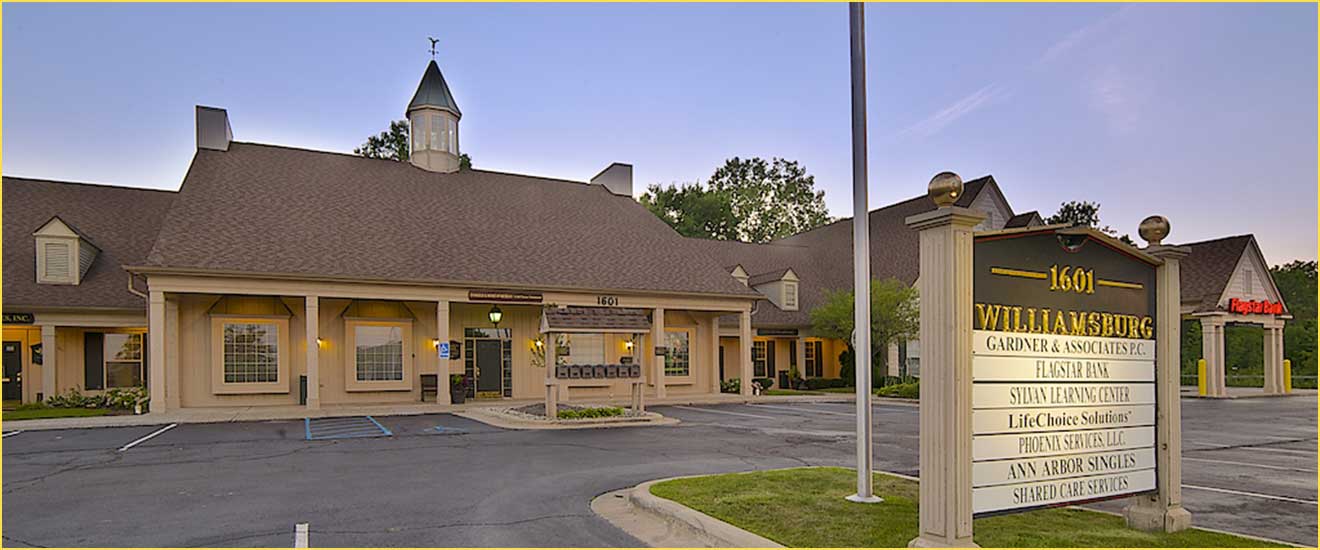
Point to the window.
(913, 363)
(418, 138)
(1247, 282)
(676, 353)
(379, 352)
(453, 135)
(437, 137)
(790, 295)
(251, 353)
(815, 367)
(382, 354)
(759, 358)
(123, 360)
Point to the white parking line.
(1235, 463)
(300, 535)
(714, 411)
(7, 434)
(800, 408)
(135, 442)
(1248, 494)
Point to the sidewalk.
(294, 412)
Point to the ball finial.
(945, 188)
(1153, 229)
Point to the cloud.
(932, 124)
(1111, 92)
(1081, 36)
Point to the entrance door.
(13, 379)
(488, 366)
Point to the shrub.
(766, 383)
(114, 398)
(910, 390)
(590, 412)
(125, 398)
(733, 385)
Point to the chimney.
(617, 178)
(213, 129)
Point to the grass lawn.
(804, 507)
(33, 413)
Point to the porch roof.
(595, 319)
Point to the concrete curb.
(491, 417)
(661, 522)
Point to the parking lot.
(441, 480)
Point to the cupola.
(433, 124)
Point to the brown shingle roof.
(121, 221)
(1205, 272)
(277, 210)
(602, 319)
(1024, 219)
(822, 257)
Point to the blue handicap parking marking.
(343, 428)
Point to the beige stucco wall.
(196, 363)
(68, 354)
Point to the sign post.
(1051, 376)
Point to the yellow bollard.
(1200, 377)
(1287, 376)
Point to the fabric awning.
(595, 319)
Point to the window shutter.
(770, 359)
(93, 360)
(57, 261)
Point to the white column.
(945, 419)
(1162, 510)
(658, 361)
(1212, 350)
(551, 384)
(442, 364)
(1273, 358)
(173, 391)
(713, 352)
(49, 356)
(156, 354)
(312, 316)
(745, 352)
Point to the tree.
(692, 210)
(895, 317)
(771, 200)
(751, 200)
(1297, 284)
(1085, 214)
(392, 144)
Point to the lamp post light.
(496, 315)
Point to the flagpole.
(861, 255)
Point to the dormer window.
(63, 254)
(780, 287)
(790, 295)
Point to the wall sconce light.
(540, 343)
(496, 315)
(628, 344)
(320, 342)
(435, 342)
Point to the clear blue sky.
(1203, 113)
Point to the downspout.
(134, 290)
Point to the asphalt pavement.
(442, 480)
